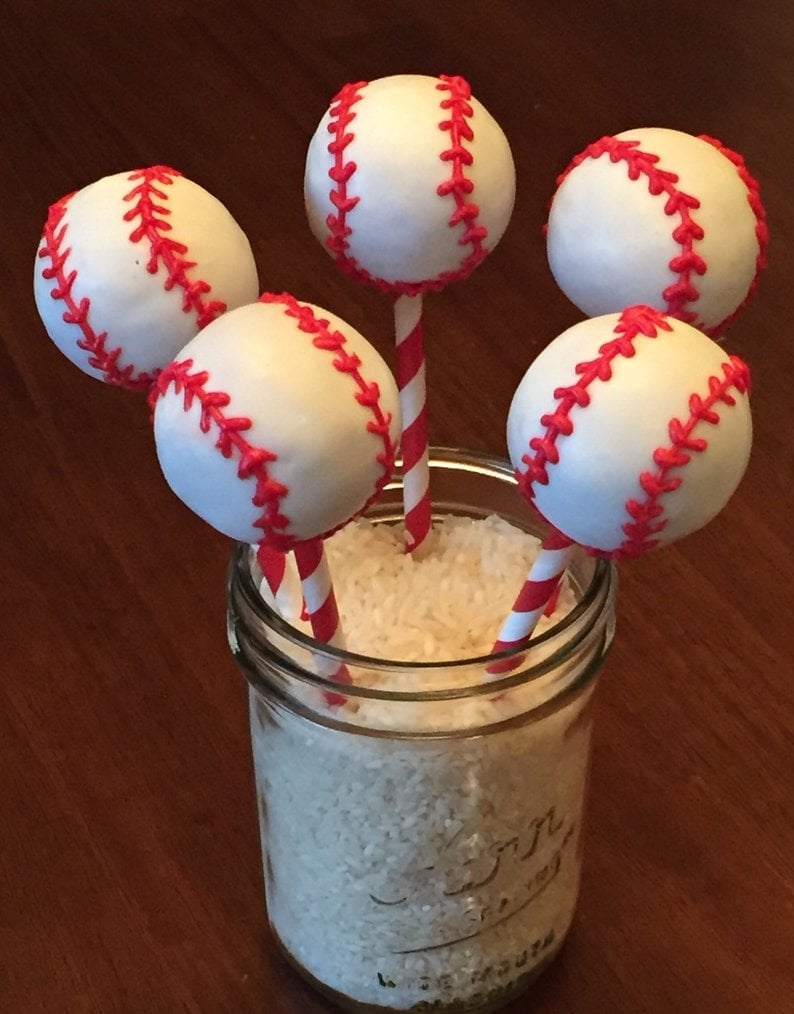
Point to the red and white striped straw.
(321, 608)
(539, 588)
(273, 564)
(413, 396)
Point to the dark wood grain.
(129, 861)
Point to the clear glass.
(422, 846)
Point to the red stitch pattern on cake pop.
(94, 342)
(634, 321)
(686, 264)
(647, 516)
(342, 115)
(162, 249)
(761, 226)
(253, 461)
(368, 394)
(458, 186)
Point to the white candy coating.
(610, 240)
(621, 422)
(300, 407)
(400, 229)
(142, 313)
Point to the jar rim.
(601, 585)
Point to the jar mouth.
(572, 629)
(285, 629)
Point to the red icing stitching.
(761, 226)
(647, 520)
(368, 394)
(688, 263)
(94, 342)
(647, 515)
(162, 248)
(458, 186)
(253, 461)
(633, 321)
(342, 116)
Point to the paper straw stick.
(411, 384)
(542, 583)
(273, 564)
(320, 605)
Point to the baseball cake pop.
(277, 423)
(132, 266)
(662, 218)
(409, 184)
(409, 181)
(630, 430)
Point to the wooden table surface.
(129, 859)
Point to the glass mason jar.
(422, 845)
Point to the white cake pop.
(132, 266)
(658, 217)
(277, 423)
(409, 181)
(630, 430)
